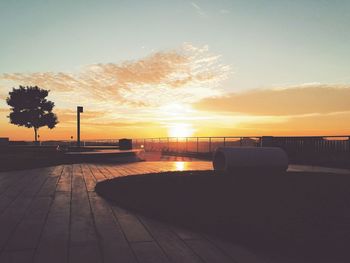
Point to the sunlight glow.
(176, 110)
(180, 130)
(180, 166)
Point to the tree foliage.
(30, 108)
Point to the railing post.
(209, 144)
(197, 145)
(224, 141)
(168, 144)
(177, 144)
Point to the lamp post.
(80, 109)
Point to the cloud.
(313, 124)
(183, 74)
(57, 81)
(98, 119)
(198, 9)
(68, 115)
(304, 99)
(122, 124)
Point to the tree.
(30, 108)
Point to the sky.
(180, 68)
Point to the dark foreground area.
(29, 157)
(295, 214)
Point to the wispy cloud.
(59, 81)
(198, 9)
(185, 74)
(68, 115)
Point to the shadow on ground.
(295, 214)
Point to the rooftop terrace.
(52, 214)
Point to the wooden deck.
(53, 215)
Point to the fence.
(193, 144)
(332, 150)
(208, 144)
(325, 150)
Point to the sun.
(180, 130)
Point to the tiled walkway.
(53, 215)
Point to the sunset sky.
(180, 68)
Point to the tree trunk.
(35, 134)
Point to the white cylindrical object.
(229, 159)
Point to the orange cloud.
(159, 77)
(68, 115)
(56, 81)
(316, 124)
(287, 101)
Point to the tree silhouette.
(30, 108)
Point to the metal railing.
(320, 150)
(300, 149)
(209, 144)
(193, 144)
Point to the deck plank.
(9, 179)
(65, 181)
(97, 173)
(115, 247)
(208, 252)
(149, 252)
(28, 232)
(82, 229)
(54, 215)
(186, 234)
(15, 189)
(134, 230)
(175, 249)
(54, 240)
(83, 245)
(14, 213)
(103, 170)
(89, 179)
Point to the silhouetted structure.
(80, 109)
(30, 108)
(4, 140)
(125, 144)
